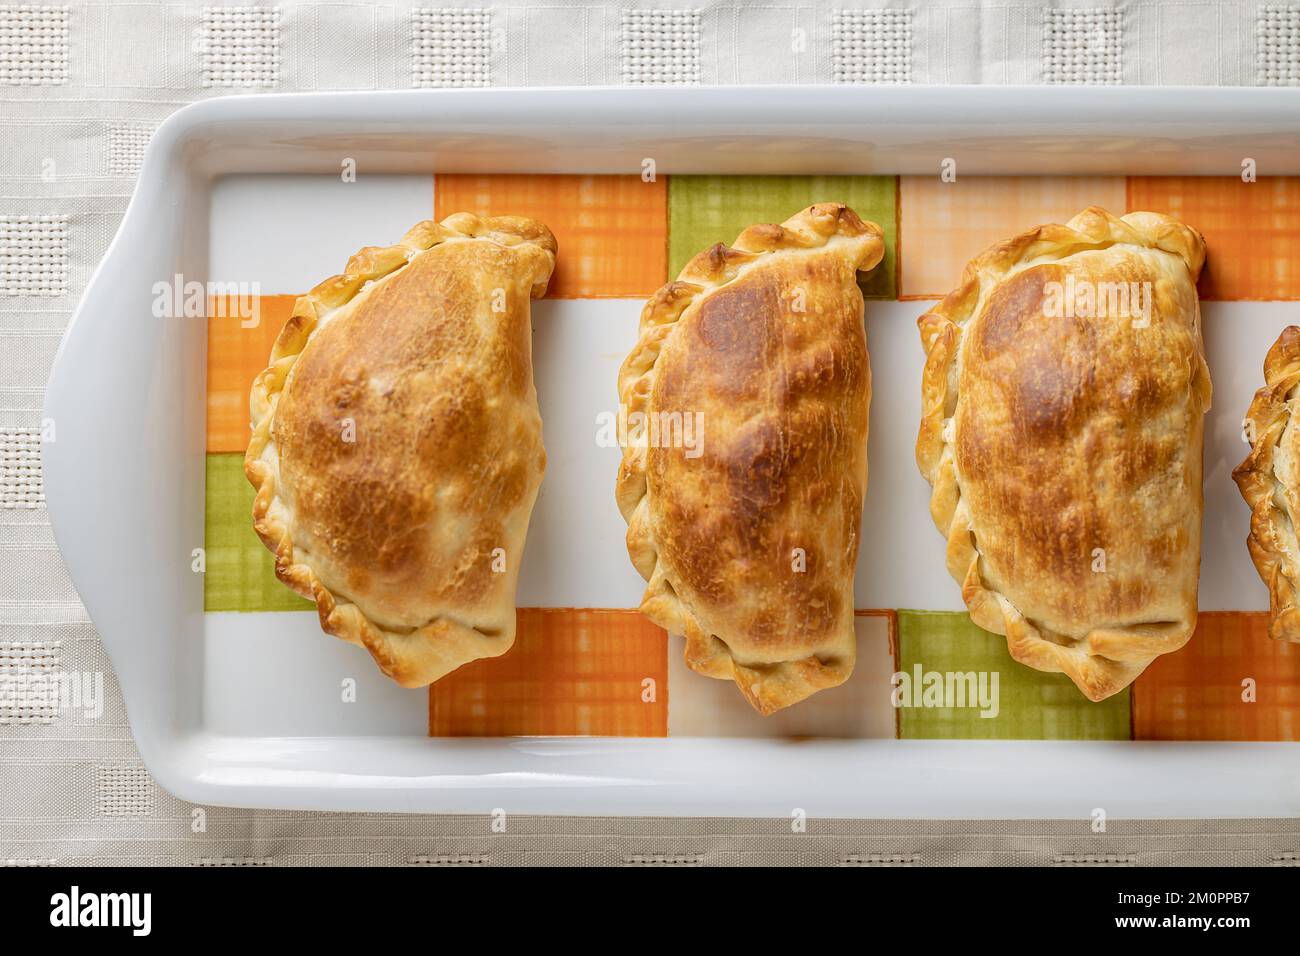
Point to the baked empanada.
(746, 527)
(1064, 394)
(397, 444)
(1269, 480)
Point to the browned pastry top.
(1064, 442)
(397, 445)
(1269, 480)
(749, 544)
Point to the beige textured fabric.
(243, 838)
(83, 85)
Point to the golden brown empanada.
(1063, 442)
(397, 444)
(1269, 480)
(747, 527)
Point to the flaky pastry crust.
(1065, 451)
(1269, 480)
(397, 446)
(749, 547)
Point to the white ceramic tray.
(226, 712)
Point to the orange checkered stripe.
(572, 671)
(1252, 229)
(611, 230)
(604, 671)
(1231, 682)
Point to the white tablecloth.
(82, 86)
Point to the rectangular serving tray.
(125, 478)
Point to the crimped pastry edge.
(940, 329)
(770, 687)
(368, 268)
(1272, 538)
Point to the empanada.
(747, 527)
(1063, 399)
(397, 444)
(1269, 480)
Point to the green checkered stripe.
(706, 210)
(1031, 705)
(240, 569)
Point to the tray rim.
(695, 776)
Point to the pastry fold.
(1063, 440)
(397, 444)
(748, 537)
(1269, 480)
